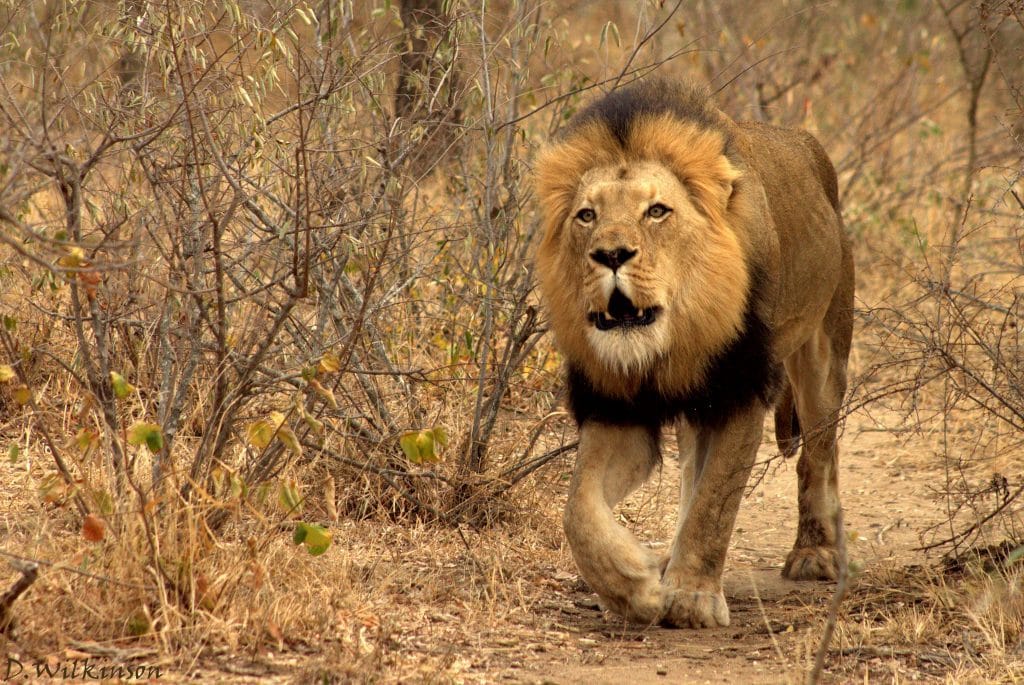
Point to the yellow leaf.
(22, 395)
(7, 373)
(217, 476)
(259, 433)
(237, 486)
(425, 445)
(316, 538)
(73, 259)
(422, 446)
(288, 438)
(329, 363)
(325, 393)
(410, 447)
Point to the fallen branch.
(29, 573)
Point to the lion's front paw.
(812, 563)
(697, 609)
(645, 608)
(640, 599)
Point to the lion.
(695, 271)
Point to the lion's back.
(802, 193)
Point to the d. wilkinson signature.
(79, 669)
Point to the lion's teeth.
(639, 313)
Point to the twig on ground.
(837, 599)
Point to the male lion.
(695, 270)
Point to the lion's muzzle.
(622, 313)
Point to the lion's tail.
(787, 425)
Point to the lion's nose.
(614, 258)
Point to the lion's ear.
(695, 154)
(713, 182)
(729, 178)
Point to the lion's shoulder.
(766, 146)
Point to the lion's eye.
(658, 211)
(586, 215)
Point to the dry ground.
(775, 622)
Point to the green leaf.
(13, 452)
(1015, 555)
(315, 424)
(142, 432)
(288, 496)
(316, 538)
(409, 446)
(10, 323)
(122, 388)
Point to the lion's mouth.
(622, 313)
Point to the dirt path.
(773, 632)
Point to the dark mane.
(684, 100)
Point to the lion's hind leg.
(817, 373)
(613, 461)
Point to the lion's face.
(641, 267)
(629, 229)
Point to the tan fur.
(742, 197)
